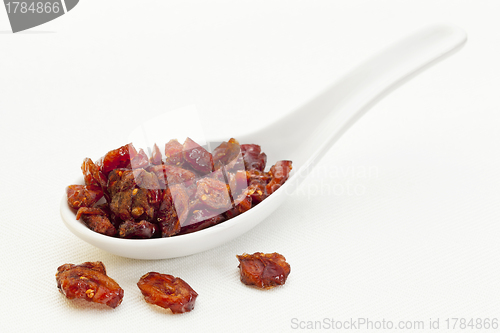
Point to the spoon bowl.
(303, 136)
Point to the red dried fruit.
(134, 194)
(145, 195)
(197, 157)
(171, 175)
(257, 181)
(173, 211)
(138, 230)
(226, 153)
(201, 219)
(140, 160)
(83, 195)
(263, 270)
(155, 156)
(242, 204)
(89, 211)
(120, 180)
(237, 182)
(214, 194)
(279, 174)
(253, 157)
(100, 224)
(217, 175)
(92, 174)
(256, 176)
(121, 183)
(168, 292)
(118, 158)
(173, 153)
(89, 281)
(97, 220)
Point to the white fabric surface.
(398, 222)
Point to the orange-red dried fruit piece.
(173, 153)
(97, 220)
(89, 211)
(83, 195)
(100, 224)
(118, 158)
(263, 270)
(242, 204)
(168, 292)
(201, 219)
(155, 156)
(171, 175)
(257, 181)
(146, 199)
(237, 182)
(140, 160)
(140, 230)
(226, 153)
(92, 174)
(197, 157)
(279, 174)
(253, 157)
(89, 281)
(134, 194)
(214, 194)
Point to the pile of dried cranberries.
(185, 190)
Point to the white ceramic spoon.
(303, 136)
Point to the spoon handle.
(313, 128)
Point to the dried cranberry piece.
(173, 211)
(253, 157)
(279, 174)
(89, 281)
(173, 153)
(197, 157)
(100, 224)
(156, 157)
(146, 196)
(92, 174)
(135, 194)
(171, 175)
(263, 270)
(120, 180)
(242, 204)
(214, 194)
(237, 182)
(121, 183)
(97, 220)
(140, 160)
(200, 219)
(132, 229)
(90, 211)
(168, 292)
(118, 158)
(226, 153)
(83, 195)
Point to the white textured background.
(400, 222)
